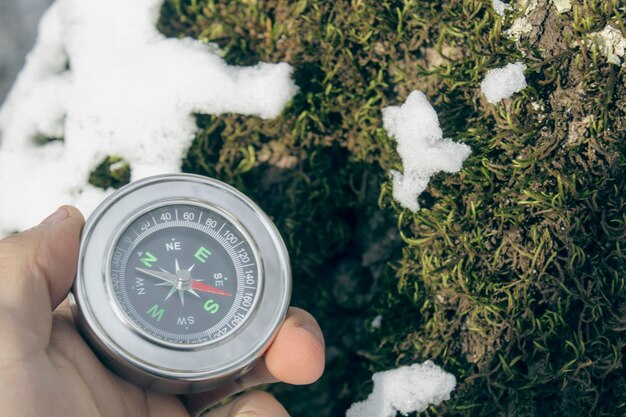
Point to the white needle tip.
(172, 291)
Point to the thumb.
(37, 267)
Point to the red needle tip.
(200, 286)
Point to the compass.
(182, 283)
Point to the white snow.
(421, 146)
(405, 390)
(376, 322)
(129, 92)
(501, 83)
(610, 43)
(500, 7)
(563, 6)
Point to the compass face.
(184, 274)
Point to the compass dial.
(184, 274)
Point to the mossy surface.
(512, 276)
(113, 172)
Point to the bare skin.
(47, 369)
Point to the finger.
(203, 400)
(65, 307)
(252, 404)
(297, 354)
(296, 357)
(37, 268)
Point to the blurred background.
(18, 30)
(512, 276)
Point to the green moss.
(512, 276)
(113, 172)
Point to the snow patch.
(376, 322)
(501, 83)
(102, 78)
(405, 390)
(562, 6)
(610, 43)
(500, 7)
(421, 146)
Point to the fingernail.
(314, 330)
(59, 215)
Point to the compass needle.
(172, 291)
(199, 286)
(197, 237)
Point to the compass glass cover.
(184, 274)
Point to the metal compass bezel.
(155, 365)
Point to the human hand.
(47, 369)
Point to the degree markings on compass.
(176, 210)
(230, 249)
(154, 220)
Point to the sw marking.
(184, 321)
